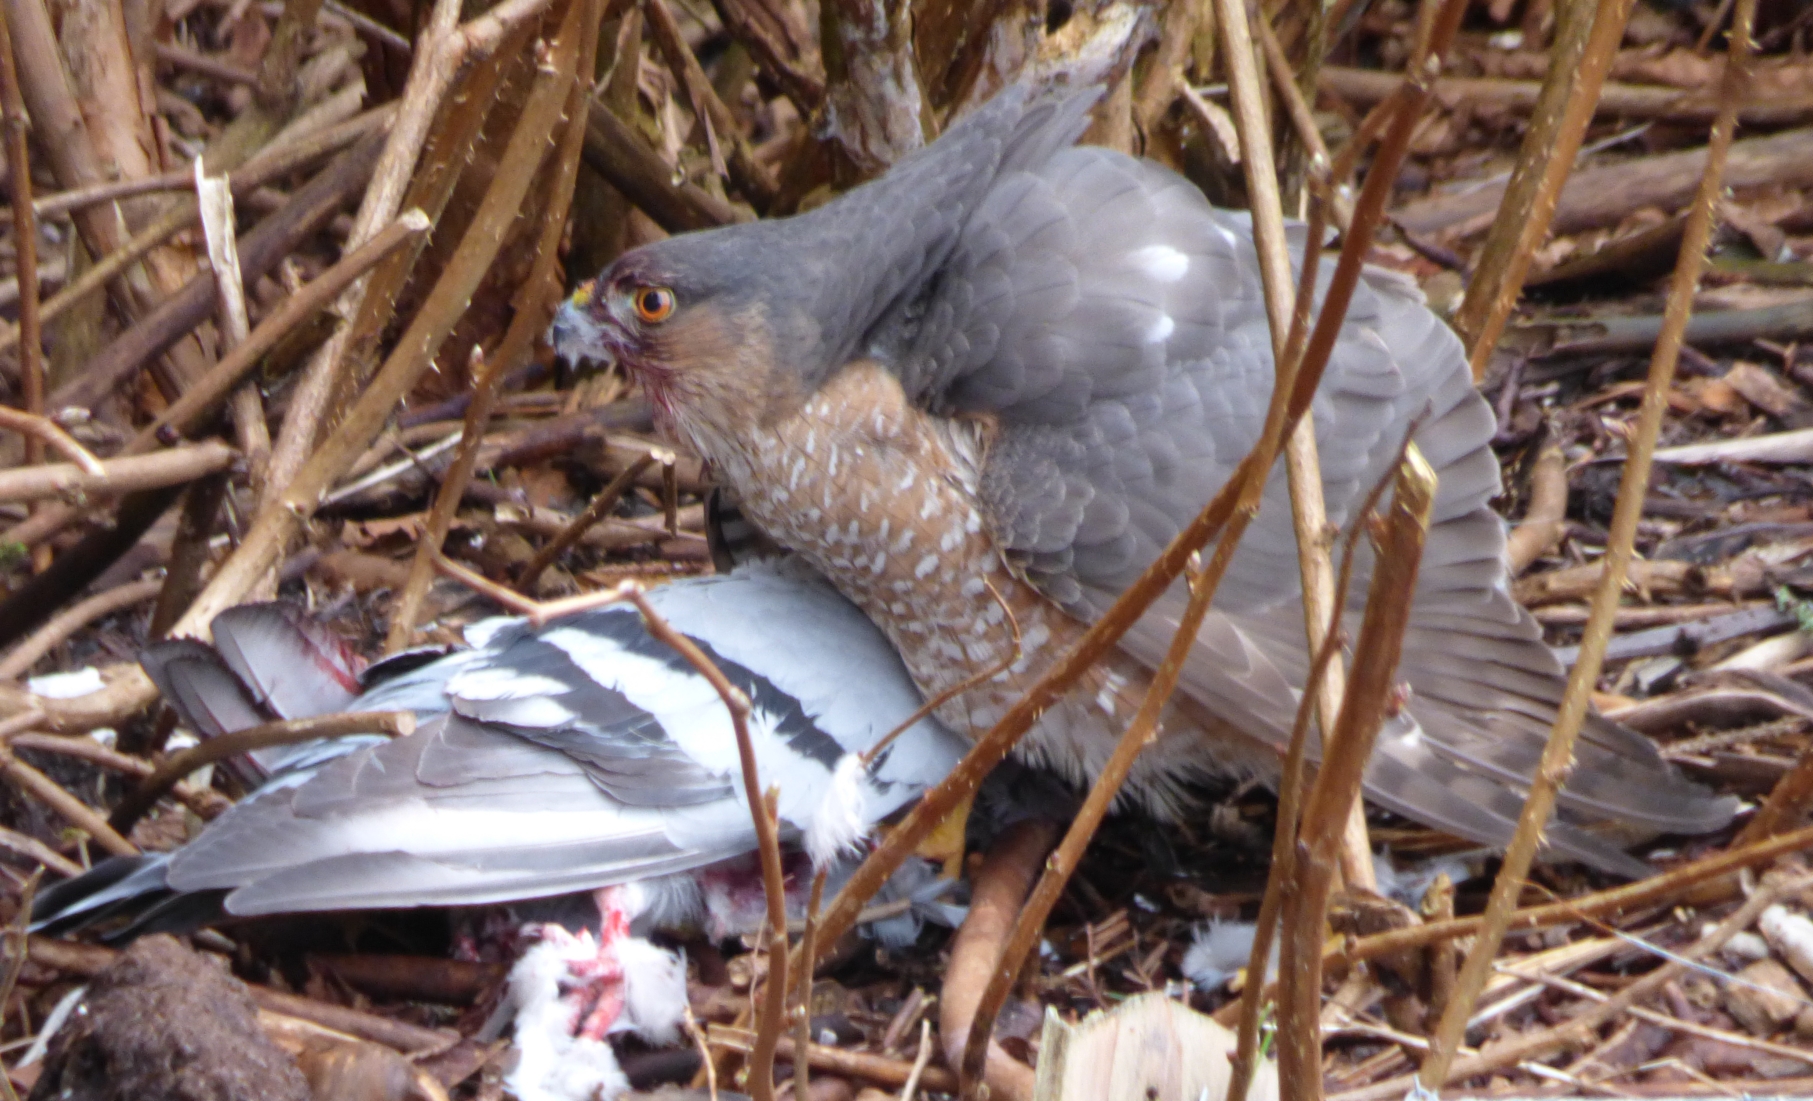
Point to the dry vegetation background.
(174, 445)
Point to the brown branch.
(25, 245)
(16, 935)
(283, 516)
(186, 413)
(1342, 772)
(879, 1069)
(534, 308)
(394, 724)
(268, 166)
(1546, 518)
(617, 152)
(41, 430)
(598, 509)
(1583, 52)
(749, 176)
(1557, 757)
(438, 60)
(164, 468)
(1582, 1025)
(1302, 464)
(205, 802)
(275, 237)
(72, 810)
(46, 638)
(981, 954)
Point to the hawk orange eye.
(654, 304)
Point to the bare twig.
(1546, 517)
(25, 244)
(1583, 52)
(1337, 787)
(1557, 758)
(72, 810)
(750, 177)
(46, 638)
(1303, 467)
(534, 306)
(598, 509)
(41, 430)
(279, 520)
(1581, 1025)
(393, 724)
(16, 939)
(441, 51)
(981, 954)
(178, 465)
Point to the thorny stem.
(1558, 755)
(1577, 74)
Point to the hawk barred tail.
(1070, 346)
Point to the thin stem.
(1558, 755)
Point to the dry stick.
(279, 521)
(1531, 1045)
(1141, 731)
(1303, 467)
(267, 166)
(1786, 804)
(439, 56)
(41, 430)
(534, 305)
(1656, 891)
(205, 802)
(1338, 781)
(72, 810)
(181, 464)
(1569, 97)
(175, 316)
(393, 724)
(25, 242)
(802, 1037)
(750, 177)
(1291, 789)
(761, 809)
(16, 935)
(600, 507)
(187, 412)
(71, 620)
(1546, 518)
(1557, 757)
(1241, 492)
(433, 535)
(1303, 122)
(998, 891)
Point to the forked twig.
(1558, 754)
(40, 431)
(1342, 772)
(600, 507)
(392, 724)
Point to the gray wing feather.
(1113, 323)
